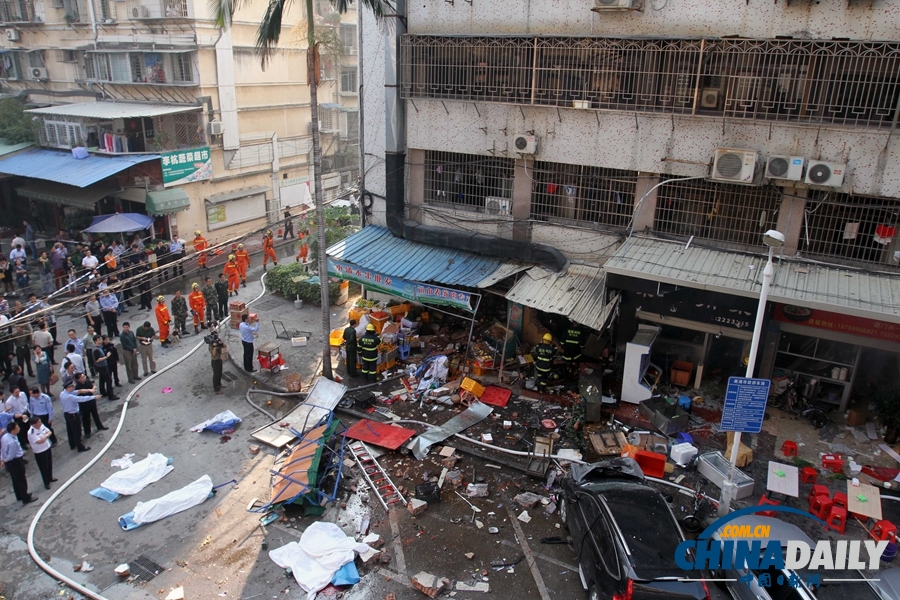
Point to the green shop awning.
(166, 202)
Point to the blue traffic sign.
(745, 404)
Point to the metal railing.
(582, 195)
(17, 11)
(468, 181)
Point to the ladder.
(387, 492)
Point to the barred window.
(851, 228)
(582, 194)
(732, 215)
(182, 68)
(348, 80)
(468, 181)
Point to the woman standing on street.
(42, 367)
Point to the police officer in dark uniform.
(543, 354)
(368, 347)
(572, 347)
(350, 347)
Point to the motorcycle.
(792, 401)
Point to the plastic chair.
(821, 506)
(818, 490)
(766, 501)
(837, 519)
(884, 530)
(840, 499)
(809, 475)
(789, 448)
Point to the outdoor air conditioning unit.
(216, 128)
(734, 165)
(614, 4)
(309, 127)
(12, 35)
(710, 97)
(785, 167)
(524, 143)
(497, 206)
(39, 73)
(825, 173)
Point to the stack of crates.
(236, 310)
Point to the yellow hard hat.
(231, 257)
(548, 337)
(240, 246)
(195, 286)
(197, 232)
(370, 327)
(160, 298)
(269, 232)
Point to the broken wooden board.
(608, 443)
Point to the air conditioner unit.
(12, 35)
(39, 73)
(497, 206)
(309, 127)
(734, 165)
(614, 4)
(216, 128)
(524, 144)
(710, 97)
(785, 167)
(825, 173)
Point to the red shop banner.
(823, 319)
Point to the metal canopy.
(84, 198)
(60, 166)
(807, 284)
(113, 110)
(251, 191)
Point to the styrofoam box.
(298, 341)
(682, 453)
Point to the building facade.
(223, 145)
(659, 141)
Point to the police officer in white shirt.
(11, 457)
(39, 438)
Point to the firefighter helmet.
(197, 233)
(195, 286)
(370, 327)
(548, 337)
(231, 257)
(160, 298)
(269, 233)
(240, 246)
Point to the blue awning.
(60, 166)
(377, 249)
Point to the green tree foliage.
(16, 126)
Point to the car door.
(588, 556)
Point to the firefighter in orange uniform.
(197, 302)
(163, 320)
(200, 246)
(232, 274)
(269, 249)
(242, 259)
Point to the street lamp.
(773, 239)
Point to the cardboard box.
(298, 342)
(745, 454)
(857, 417)
(680, 374)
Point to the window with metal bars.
(348, 38)
(851, 229)
(733, 216)
(348, 80)
(9, 66)
(582, 194)
(803, 81)
(182, 68)
(468, 181)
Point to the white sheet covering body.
(173, 502)
(139, 475)
(322, 550)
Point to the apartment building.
(178, 117)
(632, 153)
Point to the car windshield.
(650, 532)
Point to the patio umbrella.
(120, 223)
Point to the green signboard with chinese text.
(186, 166)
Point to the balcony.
(19, 12)
(154, 10)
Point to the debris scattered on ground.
(469, 555)
(476, 587)
(254, 449)
(416, 506)
(84, 567)
(428, 584)
(176, 594)
(123, 570)
(524, 517)
(527, 499)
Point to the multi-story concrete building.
(178, 116)
(639, 149)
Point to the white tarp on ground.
(223, 422)
(173, 502)
(132, 480)
(322, 550)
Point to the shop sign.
(186, 166)
(516, 315)
(821, 319)
(704, 307)
(402, 288)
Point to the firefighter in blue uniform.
(543, 355)
(368, 351)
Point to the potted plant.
(887, 407)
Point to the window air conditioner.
(12, 35)
(524, 144)
(38, 73)
(497, 206)
(710, 97)
(734, 165)
(825, 173)
(216, 128)
(614, 4)
(785, 167)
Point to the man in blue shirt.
(68, 399)
(109, 307)
(11, 458)
(248, 328)
(176, 248)
(40, 405)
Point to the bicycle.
(792, 401)
(693, 522)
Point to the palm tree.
(266, 41)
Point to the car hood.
(616, 468)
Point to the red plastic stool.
(837, 519)
(809, 475)
(766, 501)
(833, 462)
(818, 490)
(789, 448)
(821, 506)
(840, 499)
(884, 530)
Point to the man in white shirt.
(73, 357)
(17, 403)
(92, 314)
(89, 261)
(17, 253)
(39, 438)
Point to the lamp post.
(773, 239)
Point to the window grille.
(60, 134)
(137, 67)
(16, 11)
(582, 194)
(182, 68)
(105, 9)
(348, 38)
(328, 119)
(466, 180)
(348, 80)
(75, 10)
(9, 65)
(140, 67)
(36, 59)
(67, 56)
(851, 229)
(802, 81)
(731, 215)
